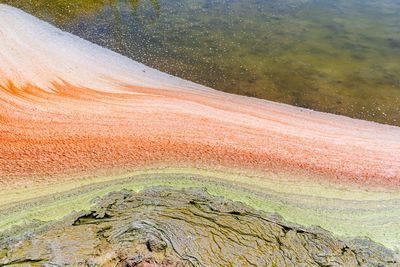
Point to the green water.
(337, 56)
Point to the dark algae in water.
(340, 56)
(169, 227)
(67, 11)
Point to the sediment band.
(74, 114)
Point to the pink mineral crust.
(69, 106)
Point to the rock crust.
(170, 227)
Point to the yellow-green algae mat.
(374, 214)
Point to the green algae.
(345, 218)
(190, 228)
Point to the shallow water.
(338, 56)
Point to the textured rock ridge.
(169, 227)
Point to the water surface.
(337, 56)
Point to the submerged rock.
(169, 227)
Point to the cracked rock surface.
(170, 227)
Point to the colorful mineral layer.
(78, 121)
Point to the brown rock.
(167, 227)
